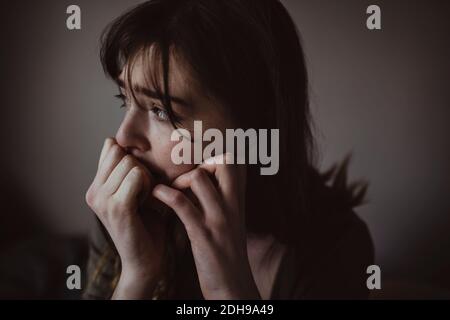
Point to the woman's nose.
(132, 132)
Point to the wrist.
(135, 285)
(242, 287)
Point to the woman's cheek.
(172, 170)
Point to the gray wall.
(382, 95)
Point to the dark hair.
(248, 54)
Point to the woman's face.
(146, 130)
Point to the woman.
(217, 231)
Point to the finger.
(200, 183)
(182, 206)
(112, 158)
(130, 188)
(230, 177)
(106, 146)
(221, 168)
(119, 173)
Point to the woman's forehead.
(145, 71)
(183, 86)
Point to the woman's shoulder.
(331, 264)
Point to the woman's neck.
(264, 270)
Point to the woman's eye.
(160, 113)
(123, 98)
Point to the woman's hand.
(119, 186)
(216, 227)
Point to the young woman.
(212, 230)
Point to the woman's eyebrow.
(153, 94)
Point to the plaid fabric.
(103, 266)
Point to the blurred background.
(382, 95)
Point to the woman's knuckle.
(136, 172)
(116, 151)
(198, 174)
(178, 199)
(88, 197)
(128, 161)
